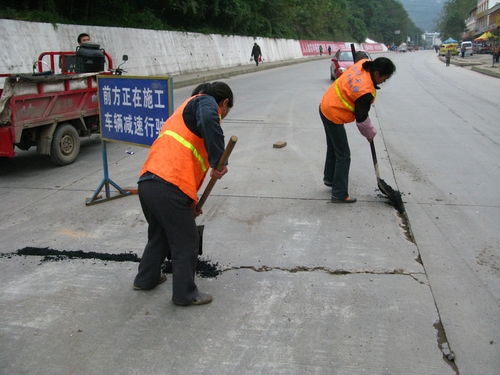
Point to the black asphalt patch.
(205, 268)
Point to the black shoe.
(163, 278)
(345, 200)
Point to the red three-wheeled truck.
(55, 105)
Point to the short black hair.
(219, 90)
(81, 36)
(383, 65)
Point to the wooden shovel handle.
(374, 158)
(220, 167)
(353, 51)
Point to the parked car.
(468, 48)
(340, 62)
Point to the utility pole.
(395, 32)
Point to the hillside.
(423, 12)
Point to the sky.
(423, 12)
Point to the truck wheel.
(65, 145)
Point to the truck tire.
(65, 145)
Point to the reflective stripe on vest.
(337, 90)
(350, 107)
(188, 145)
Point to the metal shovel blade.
(200, 234)
(393, 195)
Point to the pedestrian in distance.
(321, 50)
(447, 57)
(462, 51)
(190, 142)
(256, 53)
(329, 50)
(496, 52)
(349, 99)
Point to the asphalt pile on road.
(205, 268)
(51, 254)
(394, 196)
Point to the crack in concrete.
(330, 271)
(207, 269)
(405, 225)
(448, 355)
(442, 340)
(47, 254)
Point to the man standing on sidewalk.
(448, 57)
(496, 52)
(256, 53)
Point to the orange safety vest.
(339, 100)
(178, 155)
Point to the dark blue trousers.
(172, 231)
(338, 158)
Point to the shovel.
(211, 184)
(393, 195)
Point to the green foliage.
(451, 21)
(293, 19)
(32, 15)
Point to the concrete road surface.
(305, 286)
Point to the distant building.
(484, 17)
(494, 17)
(432, 39)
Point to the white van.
(468, 48)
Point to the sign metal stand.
(132, 110)
(106, 181)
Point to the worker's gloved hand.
(218, 174)
(367, 129)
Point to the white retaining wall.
(150, 52)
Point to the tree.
(294, 19)
(451, 22)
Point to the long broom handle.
(374, 158)
(220, 167)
